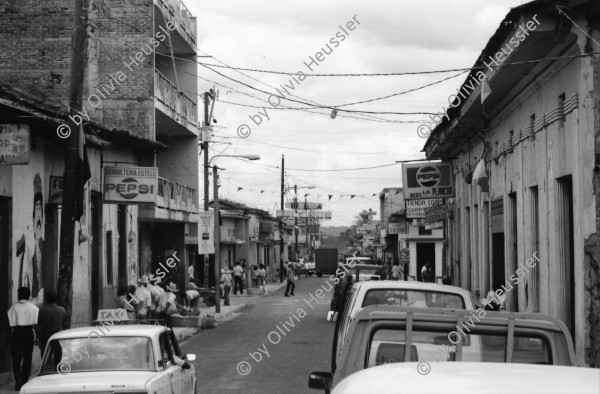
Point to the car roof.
(398, 313)
(134, 330)
(471, 377)
(401, 284)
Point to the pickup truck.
(382, 334)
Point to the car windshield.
(413, 299)
(388, 346)
(99, 354)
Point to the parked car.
(114, 359)
(382, 334)
(309, 268)
(471, 378)
(397, 293)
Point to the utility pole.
(217, 241)
(307, 223)
(67, 225)
(296, 230)
(281, 244)
(205, 149)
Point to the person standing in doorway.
(396, 271)
(51, 319)
(191, 273)
(290, 281)
(22, 318)
(238, 281)
(428, 276)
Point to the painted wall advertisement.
(130, 185)
(427, 180)
(14, 144)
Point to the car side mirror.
(320, 380)
(190, 357)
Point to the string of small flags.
(318, 196)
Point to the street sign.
(427, 180)
(416, 208)
(405, 253)
(14, 144)
(436, 213)
(206, 233)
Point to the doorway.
(5, 288)
(498, 269)
(425, 254)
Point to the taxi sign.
(112, 315)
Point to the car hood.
(470, 378)
(81, 382)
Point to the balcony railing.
(175, 9)
(172, 195)
(173, 99)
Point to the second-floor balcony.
(172, 195)
(175, 103)
(175, 11)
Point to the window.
(422, 231)
(413, 298)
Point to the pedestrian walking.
(290, 280)
(191, 272)
(226, 283)
(22, 318)
(51, 319)
(262, 274)
(238, 282)
(254, 275)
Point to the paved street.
(305, 347)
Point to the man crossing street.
(290, 281)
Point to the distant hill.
(333, 240)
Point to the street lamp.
(217, 228)
(296, 230)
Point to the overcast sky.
(390, 36)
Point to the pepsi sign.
(130, 185)
(427, 180)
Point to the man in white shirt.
(238, 271)
(167, 306)
(22, 318)
(191, 272)
(145, 297)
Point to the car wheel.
(310, 274)
(319, 274)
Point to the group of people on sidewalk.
(30, 325)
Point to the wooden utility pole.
(67, 224)
(205, 149)
(281, 243)
(217, 242)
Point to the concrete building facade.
(537, 133)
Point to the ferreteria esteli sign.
(130, 185)
(427, 180)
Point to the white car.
(471, 378)
(131, 359)
(396, 293)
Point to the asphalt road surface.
(270, 347)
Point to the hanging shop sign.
(436, 213)
(415, 209)
(206, 233)
(303, 205)
(427, 180)
(397, 228)
(130, 185)
(14, 144)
